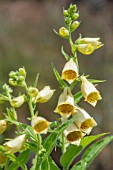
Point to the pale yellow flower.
(63, 32)
(45, 94)
(17, 101)
(89, 91)
(93, 41)
(70, 71)
(65, 106)
(84, 121)
(40, 125)
(3, 126)
(32, 91)
(2, 159)
(85, 48)
(15, 145)
(73, 134)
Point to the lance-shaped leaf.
(77, 97)
(73, 151)
(96, 81)
(91, 153)
(67, 57)
(45, 165)
(53, 165)
(21, 160)
(58, 77)
(50, 141)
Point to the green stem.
(29, 102)
(63, 144)
(38, 161)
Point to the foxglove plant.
(69, 132)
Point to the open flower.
(17, 101)
(65, 106)
(73, 134)
(3, 126)
(45, 94)
(95, 42)
(63, 32)
(84, 121)
(15, 145)
(85, 48)
(70, 71)
(2, 159)
(90, 93)
(40, 125)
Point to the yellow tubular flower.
(73, 134)
(2, 159)
(15, 145)
(45, 94)
(85, 48)
(40, 125)
(33, 92)
(17, 101)
(3, 126)
(90, 93)
(70, 71)
(93, 41)
(84, 121)
(65, 106)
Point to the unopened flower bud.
(15, 145)
(45, 94)
(21, 78)
(63, 32)
(33, 92)
(85, 48)
(65, 12)
(74, 26)
(40, 125)
(67, 20)
(12, 82)
(17, 101)
(3, 126)
(89, 91)
(2, 159)
(75, 16)
(12, 74)
(22, 72)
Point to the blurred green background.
(27, 39)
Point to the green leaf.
(58, 77)
(96, 81)
(73, 84)
(50, 141)
(36, 81)
(20, 161)
(45, 165)
(91, 153)
(53, 166)
(67, 57)
(77, 97)
(73, 151)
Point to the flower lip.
(69, 75)
(89, 123)
(74, 136)
(41, 126)
(94, 96)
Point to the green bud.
(22, 71)
(65, 12)
(12, 74)
(33, 92)
(12, 82)
(21, 78)
(74, 26)
(72, 8)
(63, 32)
(67, 20)
(75, 16)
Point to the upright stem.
(38, 158)
(29, 102)
(63, 144)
